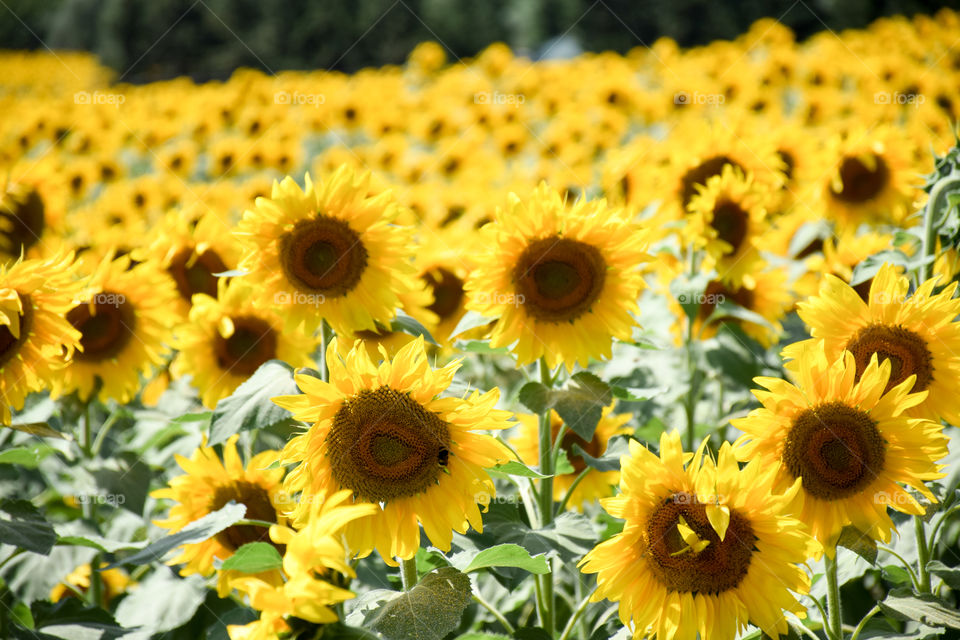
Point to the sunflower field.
(657, 345)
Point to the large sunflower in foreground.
(561, 280)
(383, 432)
(227, 339)
(208, 484)
(843, 432)
(917, 333)
(311, 556)
(596, 484)
(34, 296)
(328, 251)
(124, 319)
(706, 548)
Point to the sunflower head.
(383, 433)
(700, 536)
(562, 280)
(328, 251)
(845, 435)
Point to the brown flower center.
(384, 445)
(718, 293)
(252, 343)
(194, 273)
(720, 566)
(447, 292)
(699, 175)
(22, 222)
(10, 346)
(731, 223)
(559, 279)
(259, 507)
(860, 182)
(835, 449)
(907, 352)
(106, 326)
(323, 255)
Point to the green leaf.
(508, 555)
(41, 429)
(536, 397)
(162, 602)
(429, 611)
(478, 346)
(636, 394)
(950, 575)
(125, 481)
(408, 324)
(581, 406)
(807, 234)
(197, 531)
(858, 542)
(610, 461)
(25, 457)
(515, 468)
(26, 527)
(869, 267)
(470, 320)
(563, 464)
(254, 557)
(72, 619)
(902, 603)
(896, 574)
(99, 543)
(730, 309)
(203, 416)
(249, 406)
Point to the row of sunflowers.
(661, 344)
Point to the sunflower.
(706, 548)
(114, 581)
(124, 318)
(329, 252)
(726, 219)
(192, 249)
(918, 334)
(596, 484)
(32, 206)
(444, 267)
(227, 339)
(34, 296)
(311, 557)
(382, 432)
(561, 281)
(209, 484)
(842, 430)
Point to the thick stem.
(576, 616)
(938, 200)
(690, 402)
(545, 612)
(496, 614)
(863, 623)
(326, 335)
(834, 627)
(923, 556)
(408, 573)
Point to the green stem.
(102, 433)
(936, 527)
(573, 485)
(834, 627)
(326, 334)
(923, 556)
(866, 618)
(96, 584)
(546, 500)
(690, 402)
(937, 200)
(576, 615)
(254, 523)
(408, 573)
(87, 442)
(906, 565)
(11, 557)
(496, 614)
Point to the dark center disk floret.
(907, 352)
(860, 182)
(252, 343)
(323, 255)
(9, 345)
(719, 567)
(559, 279)
(384, 445)
(106, 326)
(259, 507)
(836, 450)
